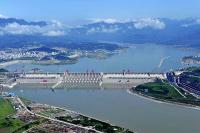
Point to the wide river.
(117, 105)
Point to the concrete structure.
(38, 78)
(82, 77)
(132, 79)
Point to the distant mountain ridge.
(173, 30)
(44, 49)
(149, 30)
(6, 21)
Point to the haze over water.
(117, 105)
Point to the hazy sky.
(73, 11)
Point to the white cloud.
(54, 28)
(15, 28)
(107, 20)
(92, 30)
(57, 24)
(148, 22)
(54, 33)
(110, 29)
(198, 21)
(138, 23)
(2, 16)
(194, 22)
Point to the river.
(139, 58)
(117, 105)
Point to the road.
(52, 119)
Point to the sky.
(79, 11)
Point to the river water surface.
(117, 105)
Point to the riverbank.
(7, 123)
(13, 62)
(162, 101)
(59, 58)
(44, 117)
(5, 64)
(73, 117)
(45, 63)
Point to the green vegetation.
(98, 125)
(159, 89)
(7, 123)
(190, 69)
(164, 91)
(50, 111)
(29, 125)
(5, 108)
(39, 130)
(193, 71)
(10, 124)
(191, 77)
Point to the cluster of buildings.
(42, 52)
(57, 127)
(186, 82)
(11, 54)
(7, 80)
(191, 60)
(40, 122)
(21, 111)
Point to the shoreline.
(23, 104)
(78, 113)
(161, 101)
(13, 62)
(5, 64)
(43, 63)
(102, 55)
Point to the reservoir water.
(117, 105)
(139, 58)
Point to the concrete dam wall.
(132, 79)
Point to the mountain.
(147, 31)
(6, 21)
(44, 49)
(19, 32)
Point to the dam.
(100, 78)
